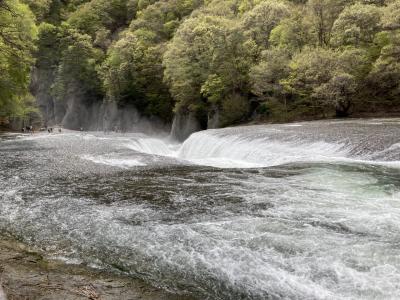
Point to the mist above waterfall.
(76, 112)
(108, 116)
(184, 125)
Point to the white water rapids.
(258, 146)
(207, 148)
(301, 211)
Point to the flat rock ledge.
(26, 275)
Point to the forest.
(214, 62)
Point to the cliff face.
(75, 113)
(184, 125)
(40, 87)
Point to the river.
(293, 211)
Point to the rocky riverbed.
(26, 275)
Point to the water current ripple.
(310, 211)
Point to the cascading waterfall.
(240, 151)
(260, 146)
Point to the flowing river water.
(297, 211)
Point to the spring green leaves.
(18, 34)
(269, 59)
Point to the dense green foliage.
(17, 41)
(234, 59)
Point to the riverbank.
(26, 274)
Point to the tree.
(77, 75)
(164, 17)
(217, 61)
(262, 19)
(132, 74)
(206, 64)
(266, 76)
(40, 8)
(391, 16)
(385, 75)
(17, 43)
(293, 33)
(338, 92)
(309, 70)
(98, 15)
(356, 62)
(356, 25)
(324, 14)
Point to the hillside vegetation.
(219, 62)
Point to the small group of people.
(31, 129)
(28, 129)
(116, 129)
(51, 129)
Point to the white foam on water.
(278, 252)
(232, 148)
(240, 151)
(122, 163)
(236, 150)
(151, 146)
(293, 125)
(223, 163)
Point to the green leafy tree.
(164, 17)
(133, 71)
(356, 25)
(132, 74)
(308, 71)
(17, 43)
(265, 78)
(338, 92)
(206, 64)
(321, 79)
(385, 75)
(40, 8)
(98, 15)
(77, 74)
(262, 19)
(218, 61)
(323, 15)
(391, 16)
(293, 33)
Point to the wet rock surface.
(26, 275)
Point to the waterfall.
(210, 148)
(264, 146)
